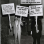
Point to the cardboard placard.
(8, 8)
(21, 11)
(36, 10)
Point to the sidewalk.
(24, 40)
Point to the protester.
(36, 34)
(17, 29)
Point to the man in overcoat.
(36, 34)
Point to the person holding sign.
(17, 29)
(36, 33)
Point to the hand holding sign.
(31, 32)
(8, 9)
(37, 31)
(36, 10)
(10, 22)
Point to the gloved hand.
(31, 32)
(37, 31)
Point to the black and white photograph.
(22, 22)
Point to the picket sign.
(21, 11)
(8, 9)
(36, 10)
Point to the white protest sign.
(31, 1)
(8, 8)
(21, 11)
(36, 10)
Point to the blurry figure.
(36, 34)
(17, 29)
(24, 27)
(29, 27)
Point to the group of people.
(36, 35)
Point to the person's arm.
(31, 27)
(21, 23)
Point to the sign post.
(36, 10)
(21, 11)
(8, 9)
(36, 22)
(10, 22)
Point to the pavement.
(24, 40)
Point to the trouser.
(18, 34)
(36, 39)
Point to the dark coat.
(33, 28)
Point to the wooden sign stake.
(36, 22)
(10, 22)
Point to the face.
(29, 19)
(16, 18)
